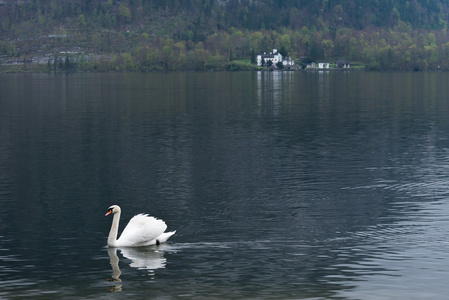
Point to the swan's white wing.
(142, 230)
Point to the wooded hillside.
(208, 34)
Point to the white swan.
(142, 230)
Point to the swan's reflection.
(148, 258)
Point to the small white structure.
(323, 65)
(274, 57)
(311, 65)
(288, 62)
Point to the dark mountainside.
(140, 35)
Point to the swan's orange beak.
(108, 213)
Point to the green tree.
(128, 62)
(124, 14)
(286, 45)
(167, 57)
(328, 48)
(67, 64)
(82, 21)
(253, 56)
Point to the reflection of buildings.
(273, 88)
(141, 258)
(323, 85)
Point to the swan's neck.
(112, 238)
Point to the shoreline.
(230, 67)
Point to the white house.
(274, 57)
(288, 62)
(311, 65)
(323, 65)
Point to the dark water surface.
(280, 185)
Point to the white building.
(274, 57)
(323, 65)
(311, 65)
(288, 62)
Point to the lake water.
(318, 185)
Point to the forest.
(168, 35)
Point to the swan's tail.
(164, 237)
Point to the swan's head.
(113, 209)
